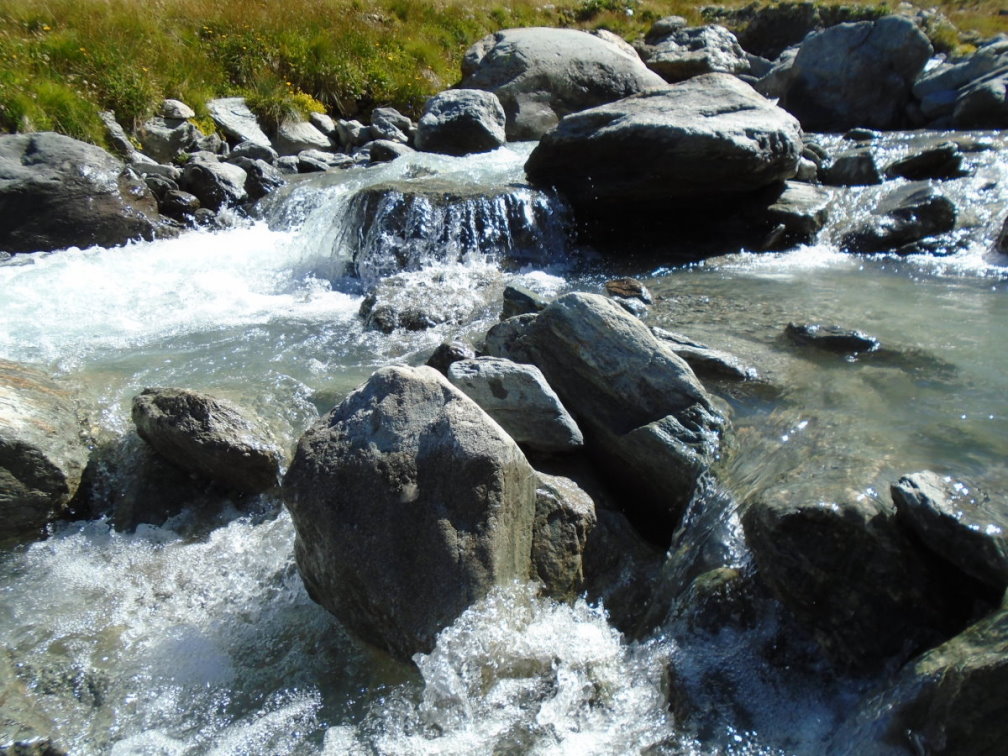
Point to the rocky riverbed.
(756, 502)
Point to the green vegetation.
(61, 61)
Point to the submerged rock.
(956, 523)
(208, 436)
(831, 338)
(706, 362)
(540, 75)
(460, 122)
(564, 519)
(410, 504)
(710, 136)
(519, 398)
(42, 452)
(58, 192)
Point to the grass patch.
(61, 61)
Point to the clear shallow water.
(155, 642)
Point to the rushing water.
(177, 639)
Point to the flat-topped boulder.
(234, 117)
(58, 192)
(710, 136)
(540, 75)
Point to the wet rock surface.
(410, 504)
(208, 436)
(565, 517)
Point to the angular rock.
(261, 177)
(313, 161)
(958, 524)
(390, 124)
(209, 437)
(42, 452)
(58, 192)
(564, 519)
(217, 185)
(949, 701)
(983, 104)
(179, 205)
(685, 53)
(176, 110)
(352, 134)
(325, 124)
(856, 74)
(507, 338)
(384, 151)
(449, 352)
(644, 415)
(253, 151)
(943, 161)
(707, 363)
(117, 137)
(775, 82)
(164, 139)
(628, 288)
(409, 504)
(852, 168)
(520, 400)
(460, 122)
(774, 28)
(802, 210)
(904, 216)
(520, 301)
(236, 120)
(831, 338)
(160, 186)
(850, 573)
(293, 137)
(540, 75)
(712, 135)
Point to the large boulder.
(164, 138)
(540, 75)
(209, 437)
(857, 74)
(712, 135)
(644, 415)
(293, 137)
(410, 503)
(58, 192)
(850, 572)
(217, 185)
(938, 88)
(42, 453)
(685, 53)
(948, 701)
(461, 121)
(984, 103)
(519, 398)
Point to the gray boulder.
(856, 74)
(261, 177)
(117, 137)
(352, 134)
(685, 53)
(217, 185)
(854, 167)
(901, 218)
(641, 409)
(520, 301)
(850, 573)
(831, 338)
(164, 139)
(209, 437)
(179, 205)
(325, 124)
(943, 161)
(390, 124)
(460, 122)
(236, 120)
(776, 81)
(314, 161)
(176, 110)
(409, 503)
(384, 150)
(983, 104)
(938, 88)
(800, 212)
(519, 398)
(42, 452)
(293, 137)
(449, 352)
(564, 519)
(58, 192)
(712, 135)
(540, 75)
(957, 523)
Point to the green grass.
(61, 61)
